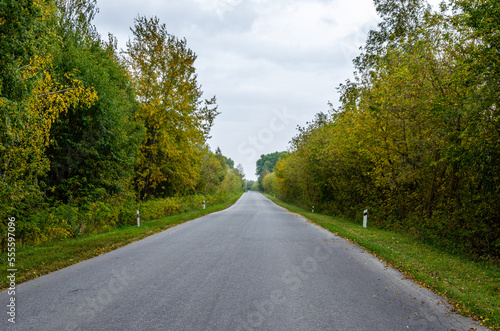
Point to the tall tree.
(416, 138)
(95, 148)
(400, 19)
(162, 67)
(32, 96)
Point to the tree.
(269, 183)
(249, 184)
(239, 171)
(267, 162)
(162, 67)
(213, 171)
(207, 114)
(416, 137)
(265, 165)
(32, 96)
(95, 148)
(400, 19)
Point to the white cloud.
(220, 7)
(258, 57)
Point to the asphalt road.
(254, 266)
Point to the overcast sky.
(273, 64)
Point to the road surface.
(254, 266)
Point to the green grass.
(35, 261)
(472, 287)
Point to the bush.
(46, 223)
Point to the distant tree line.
(265, 166)
(88, 133)
(416, 139)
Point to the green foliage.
(229, 162)
(176, 126)
(416, 138)
(94, 149)
(84, 132)
(217, 174)
(213, 172)
(36, 260)
(255, 186)
(270, 184)
(32, 99)
(267, 162)
(153, 209)
(471, 286)
(249, 184)
(265, 165)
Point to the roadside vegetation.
(472, 287)
(36, 260)
(416, 142)
(89, 133)
(416, 139)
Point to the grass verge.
(35, 261)
(472, 287)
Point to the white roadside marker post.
(313, 209)
(365, 218)
(203, 204)
(138, 220)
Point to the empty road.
(254, 266)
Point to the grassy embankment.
(35, 261)
(472, 287)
